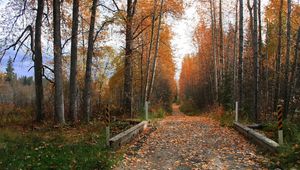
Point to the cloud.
(183, 32)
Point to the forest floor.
(193, 142)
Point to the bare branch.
(116, 5)
(16, 18)
(65, 43)
(143, 19)
(30, 68)
(102, 27)
(134, 7)
(47, 67)
(22, 42)
(140, 32)
(28, 28)
(106, 7)
(45, 76)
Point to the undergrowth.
(58, 149)
(225, 118)
(189, 108)
(156, 112)
(289, 153)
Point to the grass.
(226, 118)
(80, 148)
(288, 156)
(158, 114)
(155, 113)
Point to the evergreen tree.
(10, 75)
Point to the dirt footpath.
(184, 142)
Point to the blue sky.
(21, 65)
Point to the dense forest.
(254, 61)
(85, 72)
(74, 73)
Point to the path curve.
(193, 142)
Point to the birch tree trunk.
(149, 52)
(241, 47)
(156, 51)
(235, 51)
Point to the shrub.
(188, 107)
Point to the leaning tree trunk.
(156, 51)
(149, 52)
(73, 68)
(241, 44)
(278, 59)
(287, 60)
(38, 63)
(59, 97)
(128, 57)
(89, 61)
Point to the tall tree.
(156, 50)
(59, 96)
(260, 43)
(221, 39)
(89, 62)
(294, 66)
(10, 75)
(255, 58)
(278, 58)
(267, 68)
(73, 68)
(235, 51)
(287, 59)
(241, 47)
(38, 63)
(131, 5)
(150, 50)
(213, 21)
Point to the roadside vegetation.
(66, 147)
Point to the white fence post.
(146, 110)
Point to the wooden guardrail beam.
(125, 137)
(257, 137)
